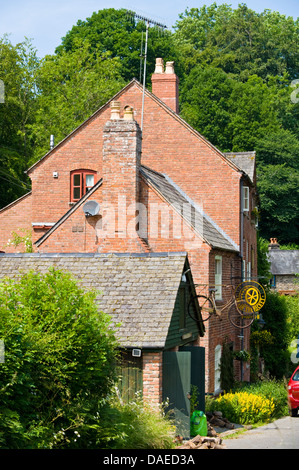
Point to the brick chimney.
(121, 164)
(165, 84)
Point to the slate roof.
(243, 160)
(205, 227)
(284, 262)
(138, 290)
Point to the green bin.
(198, 424)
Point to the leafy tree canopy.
(241, 41)
(118, 33)
(18, 66)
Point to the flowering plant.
(242, 355)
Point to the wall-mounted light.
(136, 352)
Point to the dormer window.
(81, 182)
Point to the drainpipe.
(241, 256)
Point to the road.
(281, 434)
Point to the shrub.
(59, 361)
(274, 390)
(134, 425)
(244, 407)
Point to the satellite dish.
(91, 208)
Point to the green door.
(176, 387)
(197, 373)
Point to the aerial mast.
(148, 21)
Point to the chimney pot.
(169, 67)
(166, 85)
(115, 110)
(128, 113)
(159, 65)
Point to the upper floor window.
(218, 277)
(245, 198)
(81, 182)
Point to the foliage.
(18, 65)
(120, 34)
(271, 389)
(239, 41)
(292, 305)
(239, 67)
(59, 362)
(263, 264)
(24, 240)
(275, 353)
(134, 425)
(242, 355)
(278, 192)
(261, 338)
(244, 407)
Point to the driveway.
(281, 434)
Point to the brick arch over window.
(82, 180)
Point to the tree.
(232, 115)
(205, 104)
(59, 362)
(240, 42)
(278, 193)
(263, 264)
(18, 65)
(275, 352)
(120, 34)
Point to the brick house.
(164, 188)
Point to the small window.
(218, 277)
(245, 198)
(273, 281)
(81, 182)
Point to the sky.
(46, 22)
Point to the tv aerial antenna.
(143, 56)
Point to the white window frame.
(248, 278)
(245, 201)
(218, 277)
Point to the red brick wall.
(166, 88)
(15, 217)
(152, 376)
(167, 146)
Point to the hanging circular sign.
(253, 293)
